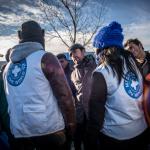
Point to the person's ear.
(19, 34)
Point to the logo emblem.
(132, 86)
(16, 73)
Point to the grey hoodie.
(22, 50)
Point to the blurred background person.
(81, 78)
(68, 68)
(143, 57)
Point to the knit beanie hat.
(108, 36)
(31, 31)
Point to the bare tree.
(73, 20)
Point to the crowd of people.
(96, 103)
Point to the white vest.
(32, 106)
(124, 117)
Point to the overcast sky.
(134, 15)
(129, 11)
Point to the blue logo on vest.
(16, 73)
(131, 85)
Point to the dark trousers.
(68, 142)
(79, 136)
(4, 145)
(53, 141)
(82, 139)
(140, 142)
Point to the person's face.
(63, 62)
(77, 56)
(136, 50)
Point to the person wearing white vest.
(115, 107)
(40, 103)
